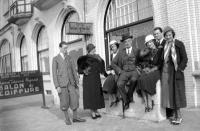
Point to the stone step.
(137, 109)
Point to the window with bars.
(24, 55)
(43, 51)
(5, 57)
(122, 12)
(72, 17)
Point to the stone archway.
(99, 39)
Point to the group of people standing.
(163, 58)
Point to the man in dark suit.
(124, 66)
(65, 79)
(158, 35)
(160, 42)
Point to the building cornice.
(5, 28)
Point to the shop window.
(5, 57)
(122, 12)
(127, 17)
(24, 55)
(43, 51)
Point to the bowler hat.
(125, 37)
(90, 47)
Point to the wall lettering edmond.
(77, 28)
(20, 84)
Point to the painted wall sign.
(18, 84)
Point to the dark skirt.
(110, 84)
(92, 91)
(147, 82)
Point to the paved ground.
(26, 114)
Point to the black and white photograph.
(99, 65)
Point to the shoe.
(93, 116)
(68, 122)
(78, 120)
(147, 109)
(114, 102)
(126, 106)
(98, 115)
(177, 121)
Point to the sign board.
(17, 84)
(77, 28)
(120, 32)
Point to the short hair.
(158, 28)
(62, 43)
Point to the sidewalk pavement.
(26, 114)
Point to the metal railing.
(21, 7)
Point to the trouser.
(69, 97)
(132, 77)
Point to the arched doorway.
(76, 42)
(127, 17)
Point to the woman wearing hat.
(150, 63)
(110, 84)
(91, 66)
(173, 81)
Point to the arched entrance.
(127, 17)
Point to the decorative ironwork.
(20, 11)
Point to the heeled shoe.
(147, 109)
(93, 116)
(98, 115)
(114, 102)
(126, 106)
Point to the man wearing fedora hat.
(124, 65)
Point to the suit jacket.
(64, 71)
(119, 61)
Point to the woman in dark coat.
(173, 81)
(149, 63)
(91, 65)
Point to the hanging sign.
(77, 28)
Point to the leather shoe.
(68, 122)
(78, 120)
(98, 115)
